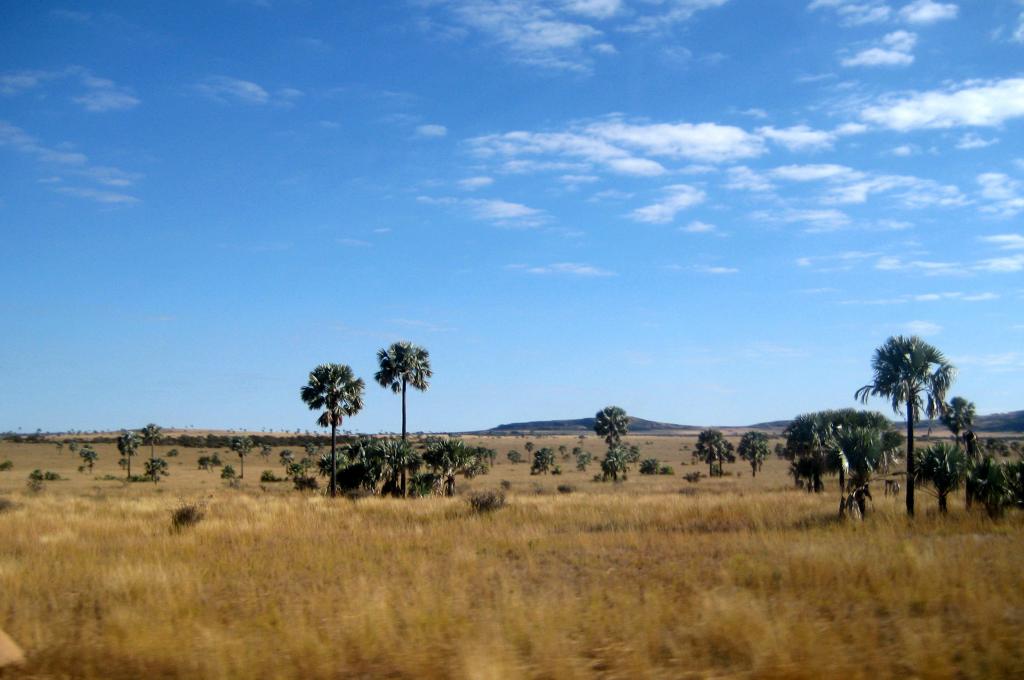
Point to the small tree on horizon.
(241, 446)
(151, 436)
(753, 448)
(128, 446)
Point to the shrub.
(173, 453)
(186, 515)
(269, 476)
(515, 457)
(228, 472)
(7, 504)
(666, 470)
(40, 476)
(693, 477)
(566, 488)
(506, 485)
(305, 483)
(6, 465)
(486, 501)
(649, 466)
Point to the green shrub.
(270, 477)
(566, 488)
(649, 466)
(6, 465)
(666, 470)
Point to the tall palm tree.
(241, 446)
(958, 416)
(151, 436)
(912, 374)
(403, 365)
(128, 446)
(334, 389)
(612, 424)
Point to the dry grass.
(738, 577)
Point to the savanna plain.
(731, 576)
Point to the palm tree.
(128, 446)
(754, 449)
(402, 365)
(612, 424)
(397, 458)
(151, 436)
(712, 448)
(241, 446)
(912, 374)
(615, 463)
(859, 451)
(944, 466)
(336, 390)
(448, 457)
(88, 456)
(958, 416)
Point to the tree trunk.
(129, 457)
(404, 492)
(910, 457)
(753, 469)
(241, 464)
(152, 451)
(842, 480)
(403, 409)
(334, 460)
(943, 508)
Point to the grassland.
(733, 577)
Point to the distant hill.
(580, 425)
(996, 422)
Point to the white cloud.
(225, 89)
(431, 130)
(102, 100)
(98, 195)
(1005, 195)
(743, 178)
(596, 9)
(904, 150)
(20, 140)
(818, 219)
(928, 12)
(973, 103)
(974, 141)
(895, 50)
(501, 211)
(568, 268)
(678, 197)
(703, 142)
(927, 267)
(922, 328)
(698, 227)
(856, 12)
(474, 183)
(715, 270)
(101, 94)
(1005, 241)
(808, 173)
(1002, 265)
(799, 137)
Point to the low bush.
(7, 504)
(486, 501)
(693, 477)
(506, 485)
(305, 483)
(666, 470)
(186, 515)
(566, 488)
(6, 465)
(649, 466)
(269, 476)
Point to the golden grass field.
(655, 577)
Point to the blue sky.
(705, 211)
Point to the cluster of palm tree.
(384, 466)
(335, 391)
(915, 377)
(612, 424)
(714, 450)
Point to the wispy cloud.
(431, 130)
(474, 183)
(928, 12)
(677, 197)
(895, 49)
(922, 328)
(226, 89)
(566, 268)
